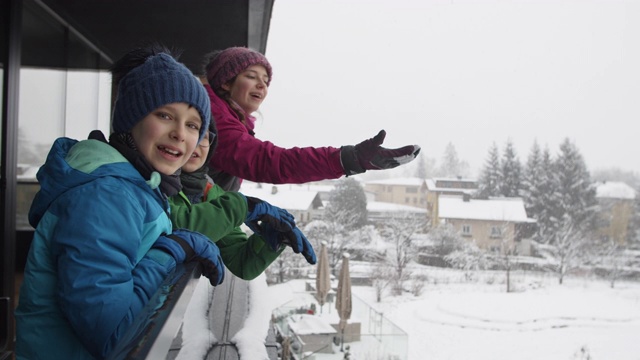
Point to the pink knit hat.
(226, 64)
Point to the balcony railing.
(158, 323)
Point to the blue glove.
(261, 213)
(294, 238)
(186, 246)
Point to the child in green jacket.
(204, 207)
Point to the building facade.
(617, 208)
(401, 191)
(498, 225)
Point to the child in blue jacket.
(104, 241)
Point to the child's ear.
(226, 86)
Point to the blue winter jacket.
(90, 269)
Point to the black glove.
(294, 238)
(369, 155)
(186, 246)
(260, 212)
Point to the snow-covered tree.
(286, 266)
(333, 230)
(539, 191)
(345, 213)
(365, 245)
(489, 182)
(468, 258)
(531, 181)
(505, 258)
(510, 174)
(577, 192)
(400, 229)
(446, 239)
(421, 166)
(569, 244)
(347, 204)
(545, 199)
(614, 261)
(418, 282)
(451, 165)
(382, 275)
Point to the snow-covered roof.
(432, 185)
(495, 209)
(453, 179)
(291, 200)
(378, 206)
(408, 181)
(615, 190)
(303, 324)
(312, 186)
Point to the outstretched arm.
(243, 155)
(246, 257)
(216, 217)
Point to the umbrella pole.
(342, 341)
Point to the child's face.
(199, 155)
(249, 88)
(167, 136)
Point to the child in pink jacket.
(238, 81)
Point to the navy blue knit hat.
(159, 81)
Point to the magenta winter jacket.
(241, 154)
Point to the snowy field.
(478, 320)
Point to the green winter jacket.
(219, 217)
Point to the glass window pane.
(41, 113)
(87, 103)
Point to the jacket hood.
(71, 163)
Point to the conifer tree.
(489, 182)
(348, 201)
(450, 166)
(577, 192)
(531, 181)
(546, 200)
(511, 172)
(421, 168)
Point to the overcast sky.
(466, 72)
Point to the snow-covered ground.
(478, 320)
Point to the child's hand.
(370, 155)
(186, 246)
(261, 213)
(293, 238)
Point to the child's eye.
(164, 115)
(194, 126)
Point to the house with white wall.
(302, 201)
(495, 224)
(408, 191)
(617, 208)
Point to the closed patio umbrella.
(323, 277)
(343, 296)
